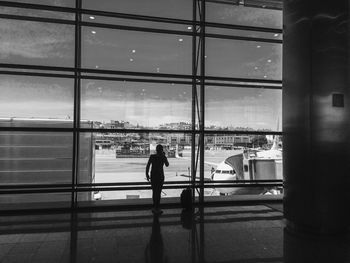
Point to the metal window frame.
(198, 80)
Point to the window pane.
(181, 9)
(242, 15)
(136, 51)
(243, 33)
(36, 13)
(33, 99)
(233, 58)
(65, 3)
(35, 158)
(231, 157)
(243, 109)
(122, 158)
(133, 105)
(35, 201)
(36, 43)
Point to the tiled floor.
(222, 234)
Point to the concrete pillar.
(316, 116)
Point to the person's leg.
(154, 195)
(157, 186)
(158, 193)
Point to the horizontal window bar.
(233, 85)
(244, 28)
(244, 80)
(94, 77)
(135, 17)
(38, 19)
(29, 186)
(177, 32)
(131, 73)
(35, 191)
(124, 188)
(40, 129)
(254, 39)
(38, 7)
(133, 28)
(136, 80)
(36, 67)
(36, 74)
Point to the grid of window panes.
(89, 88)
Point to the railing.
(85, 187)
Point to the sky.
(146, 104)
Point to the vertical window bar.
(194, 94)
(76, 123)
(202, 101)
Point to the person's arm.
(147, 168)
(166, 161)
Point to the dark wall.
(316, 133)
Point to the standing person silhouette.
(157, 176)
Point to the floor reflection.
(155, 248)
(302, 247)
(244, 234)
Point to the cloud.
(246, 16)
(146, 113)
(33, 89)
(243, 108)
(35, 40)
(36, 109)
(69, 3)
(273, 69)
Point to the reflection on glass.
(122, 158)
(137, 23)
(136, 51)
(35, 158)
(36, 13)
(231, 157)
(134, 105)
(243, 33)
(181, 9)
(36, 43)
(242, 59)
(243, 109)
(242, 15)
(65, 3)
(24, 202)
(33, 98)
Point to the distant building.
(176, 126)
(223, 140)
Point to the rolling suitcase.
(186, 199)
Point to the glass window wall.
(87, 98)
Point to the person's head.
(159, 149)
